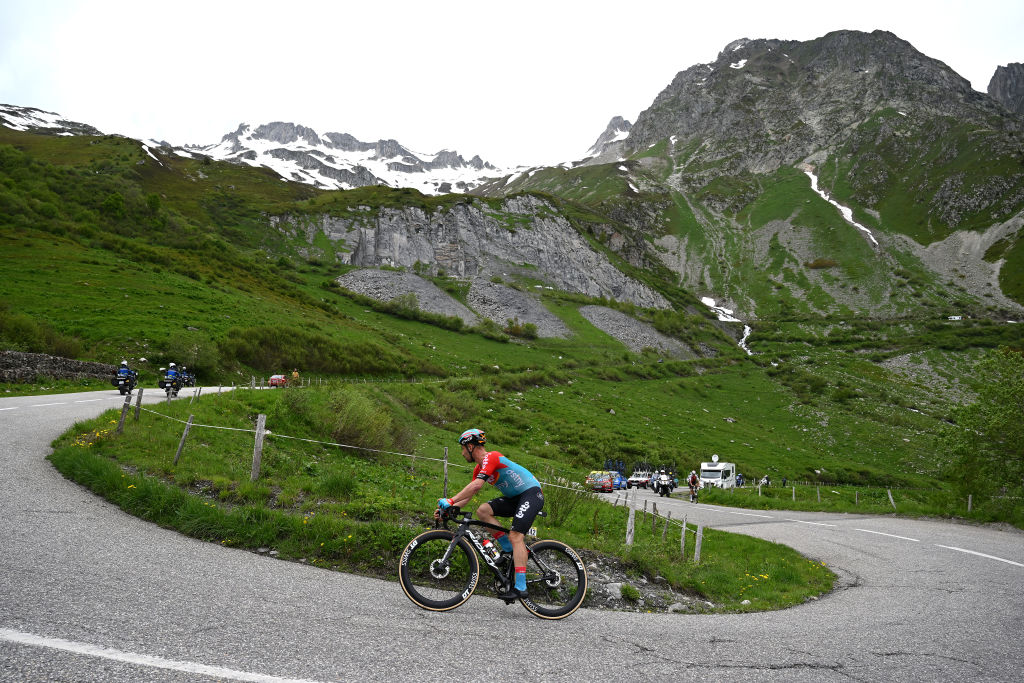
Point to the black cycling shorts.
(522, 509)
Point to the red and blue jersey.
(508, 477)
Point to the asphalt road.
(88, 593)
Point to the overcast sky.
(523, 82)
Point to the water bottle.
(491, 549)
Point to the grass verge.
(355, 509)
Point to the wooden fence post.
(124, 411)
(665, 530)
(629, 526)
(969, 496)
(654, 519)
(794, 493)
(889, 491)
(138, 404)
(818, 489)
(856, 497)
(257, 453)
(700, 541)
(682, 541)
(645, 511)
(181, 444)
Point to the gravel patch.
(385, 285)
(501, 303)
(633, 333)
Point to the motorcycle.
(171, 384)
(662, 485)
(124, 383)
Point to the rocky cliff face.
(525, 238)
(1007, 87)
(765, 103)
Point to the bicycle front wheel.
(430, 580)
(556, 580)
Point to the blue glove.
(444, 503)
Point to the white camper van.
(720, 474)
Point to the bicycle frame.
(464, 531)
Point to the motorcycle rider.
(131, 376)
(664, 482)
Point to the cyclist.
(522, 499)
(694, 483)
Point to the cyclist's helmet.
(472, 436)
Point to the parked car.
(602, 481)
(639, 479)
(278, 381)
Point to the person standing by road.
(522, 499)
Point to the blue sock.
(520, 578)
(503, 541)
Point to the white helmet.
(172, 365)
(124, 362)
(692, 472)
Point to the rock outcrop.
(1007, 87)
(526, 238)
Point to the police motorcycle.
(188, 379)
(662, 484)
(125, 379)
(171, 383)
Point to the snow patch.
(738, 65)
(846, 212)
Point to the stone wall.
(16, 366)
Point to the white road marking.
(14, 408)
(880, 533)
(974, 552)
(800, 521)
(43, 405)
(745, 514)
(144, 660)
(90, 400)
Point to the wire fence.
(261, 432)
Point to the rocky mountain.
(339, 161)
(39, 121)
(850, 173)
(610, 144)
(333, 161)
(778, 102)
(1007, 87)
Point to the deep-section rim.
(582, 581)
(409, 588)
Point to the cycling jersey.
(508, 477)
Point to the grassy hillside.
(104, 257)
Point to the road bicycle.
(439, 569)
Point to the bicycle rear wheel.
(435, 584)
(556, 580)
